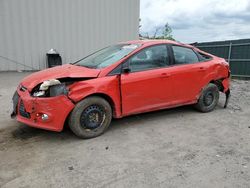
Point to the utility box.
(53, 58)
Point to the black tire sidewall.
(215, 92)
(74, 119)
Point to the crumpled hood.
(64, 71)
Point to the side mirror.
(126, 70)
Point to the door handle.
(201, 69)
(165, 75)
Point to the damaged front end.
(46, 106)
(42, 101)
(50, 88)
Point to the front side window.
(149, 58)
(107, 56)
(184, 55)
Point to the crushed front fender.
(56, 108)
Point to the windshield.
(107, 56)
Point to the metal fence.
(236, 52)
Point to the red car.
(120, 80)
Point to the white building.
(75, 28)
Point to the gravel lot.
(170, 148)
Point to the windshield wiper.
(87, 66)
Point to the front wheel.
(90, 117)
(209, 98)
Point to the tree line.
(161, 32)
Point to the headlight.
(46, 84)
(39, 93)
(51, 88)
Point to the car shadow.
(155, 115)
(24, 132)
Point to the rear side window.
(184, 55)
(150, 58)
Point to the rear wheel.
(209, 98)
(90, 117)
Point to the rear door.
(146, 86)
(187, 74)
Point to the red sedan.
(120, 80)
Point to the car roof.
(153, 42)
(148, 42)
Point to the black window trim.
(170, 56)
(199, 56)
(125, 63)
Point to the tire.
(90, 118)
(209, 98)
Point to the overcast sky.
(198, 20)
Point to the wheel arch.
(109, 99)
(218, 83)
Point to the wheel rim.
(208, 98)
(92, 117)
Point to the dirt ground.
(170, 148)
